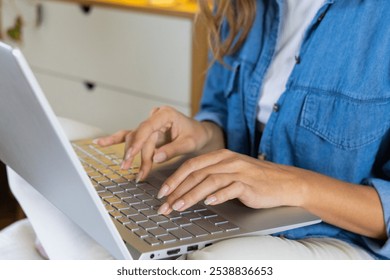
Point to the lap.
(279, 248)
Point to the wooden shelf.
(181, 8)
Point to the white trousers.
(63, 247)
(277, 248)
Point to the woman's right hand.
(165, 134)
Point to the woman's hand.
(164, 135)
(224, 175)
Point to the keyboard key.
(147, 187)
(107, 184)
(124, 220)
(149, 212)
(182, 222)
(159, 219)
(151, 192)
(130, 177)
(195, 230)
(130, 212)
(120, 181)
(132, 200)
(181, 234)
(132, 226)
(152, 240)
(112, 176)
(106, 172)
(141, 206)
(192, 216)
(135, 192)
(148, 225)
(109, 208)
(115, 190)
(174, 215)
(207, 213)
(123, 195)
(138, 218)
(154, 203)
(169, 225)
(167, 238)
(94, 174)
(208, 226)
(155, 182)
(141, 233)
(121, 206)
(115, 167)
(100, 188)
(112, 200)
(228, 226)
(157, 232)
(197, 207)
(101, 179)
(105, 194)
(217, 220)
(144, 197)
(116, 214)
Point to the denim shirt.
(334, 116)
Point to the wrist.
(213, 135)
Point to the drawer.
(101, 107)
(145, 53)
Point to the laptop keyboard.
(135, 205)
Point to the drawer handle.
(89, 85)
(86, 9)
(39, 11)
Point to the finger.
(127, 156)
(212, 184)
(161, 120)
(196, 178)
(193, 165)
(178, 147)
(146, 157)
(116, 138)
(232, 191)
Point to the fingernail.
(139, 177)
(128, 153)
(95, 141)
(178, 205)
(210, 200)
(160, 157)
(163, 191)
(163, 208)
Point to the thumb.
(171, 150)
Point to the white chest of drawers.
(109, 66)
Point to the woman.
(297, 97)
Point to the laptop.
(85, 182)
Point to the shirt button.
(262, 156)
(276, 107)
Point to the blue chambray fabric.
(334, 116)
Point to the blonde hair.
(239, 16)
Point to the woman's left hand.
(224, 175)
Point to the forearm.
(352, 207)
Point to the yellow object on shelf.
(186, 8)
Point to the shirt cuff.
(381, 248)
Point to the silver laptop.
(86, 184)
